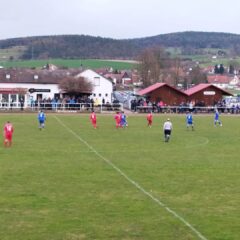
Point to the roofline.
(206, 86)
(29, 83)
(176, 89)
(163, 84)
(95, 73)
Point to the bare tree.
(196, 76)
(152, 61)
(175, 71)
(76, 85)
(156, 65)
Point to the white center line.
(160, 203)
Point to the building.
(102, 87)
(163, 92)
(205, 94)
(201, 94)
(21, 86)
(224, 81)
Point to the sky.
(121, 19)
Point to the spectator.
(21, 103)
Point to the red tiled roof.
(201, 87)
(156, 86)
(35, 76)
(113, 76)
(150, 88)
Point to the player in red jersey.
(149, 119)
(93, 118)
(117, 118)
(8, 132)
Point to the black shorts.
(167, 132)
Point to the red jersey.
(117, 117)
(8, 129)
(149, 117)
(93, 117)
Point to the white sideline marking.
(133, 182)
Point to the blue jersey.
(216, 115)
(189, 119)
(41, 117)
(123, 119)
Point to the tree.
(221, 69)
(74, 85)
(231, 69)
(152, 61)
(176, 66)
(196, 76)
(233, 66)
(235, 50)
(216, 69)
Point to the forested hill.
(82, 46)
(192, 40)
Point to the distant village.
(23, 88)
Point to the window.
(106, 95)
(4, 98)
(13, 97)
(99, 94)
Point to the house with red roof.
(202, 94)
(206, 94)
(224, 81)
(163, 92)
(121, 78)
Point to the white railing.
(87, 107)
(184, 109)
(62, 107)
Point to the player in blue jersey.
(123, 122)
(41, 119)
(217, 118)
(189, 121)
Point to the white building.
(12, 93)
(102, 87)
(23, 86)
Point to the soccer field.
(71, 181)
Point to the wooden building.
(163, 92)
(205, 94)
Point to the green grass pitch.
(71, 181)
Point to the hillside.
(82, 46)
(192, 40)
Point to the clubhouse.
(201, 94)
(19, 87)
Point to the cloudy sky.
(116, 19)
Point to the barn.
(205, 94)
(163, 92)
